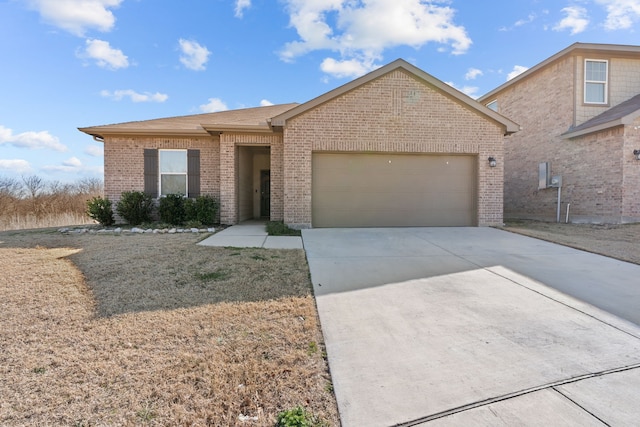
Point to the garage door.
(388, 190)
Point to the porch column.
(228, 181)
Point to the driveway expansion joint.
(508, 396)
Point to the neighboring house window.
(595, 81)
(493, 105)
(172, 172)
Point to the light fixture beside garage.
(492, 162)
(637, 154)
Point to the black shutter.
(151, 172)
(193, 173)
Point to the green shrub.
(172, 209)
(135, 207)
(298, 417)
(100, 209)
(203, 209)
(279, 228)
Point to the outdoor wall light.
(492, 162)
(637, 154)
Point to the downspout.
(98, 138)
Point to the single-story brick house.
(396, 147)
(580, 112)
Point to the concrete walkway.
(251, 234)
(465, 326)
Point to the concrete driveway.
(463, 326)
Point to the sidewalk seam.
(581, 407)
(515, 394)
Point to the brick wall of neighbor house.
(528, 103)
(124, 162)
(394, 113)
(590, 165)
(229, 143)
(631, 176)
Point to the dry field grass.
(616, 241)
(154, 330)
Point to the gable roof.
(254, 119)
(508, 125)
(585, 48)
(622, 114)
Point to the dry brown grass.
(615, 241)
(154, 330)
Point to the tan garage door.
(388, 190)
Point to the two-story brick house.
(396, 147)
(579, 110)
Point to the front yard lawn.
(155, 330)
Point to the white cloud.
(363, 30)
(31, 140)
(194, 56)
(77, 16)
(621, 14)
(265, 103)
(517, 70)
(472, 73)
(15, 165)
(73, 165)
(471, 91)
(241, 5)
(576, 20)
(214, 105)
(532, 17)
(94, 150)
(73, 162)
(104, 55)
(134, 96)
(347, 68)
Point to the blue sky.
(66, 64)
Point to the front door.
(265, 193)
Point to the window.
(173, 172)
(493, 105)
(595, 81)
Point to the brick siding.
(124, 162)
(394, 113)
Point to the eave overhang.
(222, 128)
(622, 121)
(102, 132)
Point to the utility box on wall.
(544, 175)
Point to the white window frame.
(605, 83)
(493, 105)
(185, 173)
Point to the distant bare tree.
(10, 187)
(91, 186)
(33, 202)
(34, 185)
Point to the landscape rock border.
(134, 230)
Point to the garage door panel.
(369, 190)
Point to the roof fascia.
(509, 126)
(625, 120)
(587, 48)
(101, 132)
(592, 129)
(221, 128)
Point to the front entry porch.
(253, 182)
